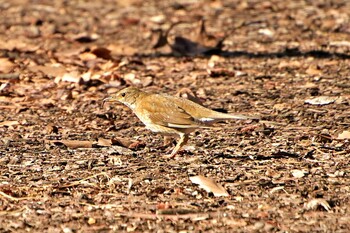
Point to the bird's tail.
(216, 116)
(242, 117)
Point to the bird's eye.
(123, 94)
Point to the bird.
(169, 115)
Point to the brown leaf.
(209, 185)
(102, 52)
(123, 142)
(73, 144)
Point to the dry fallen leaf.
(9, 123)
(73, 77)
(321, 100)
(73, 144)
(131, 144)
(344, 135)
(209, 185)
(102, 53)
(298, 173)
(131, 78)
(267, 32)
(104, 142)
(314, 203)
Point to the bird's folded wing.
(170, 115)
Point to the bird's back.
(200, 112)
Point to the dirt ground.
(69, 164)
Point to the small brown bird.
(169, 115)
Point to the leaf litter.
(289, 172)
(209, 185)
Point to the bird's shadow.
(277, 155)
(295, 52)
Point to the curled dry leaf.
(209, 185)
(74, 144)
(321, 100)
(102, 52)
(314, 203)
(131, 144)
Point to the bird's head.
(127, 96)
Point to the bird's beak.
(108, 99)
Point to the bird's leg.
(183, 140)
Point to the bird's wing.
(163, 112)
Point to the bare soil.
(68, 164)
